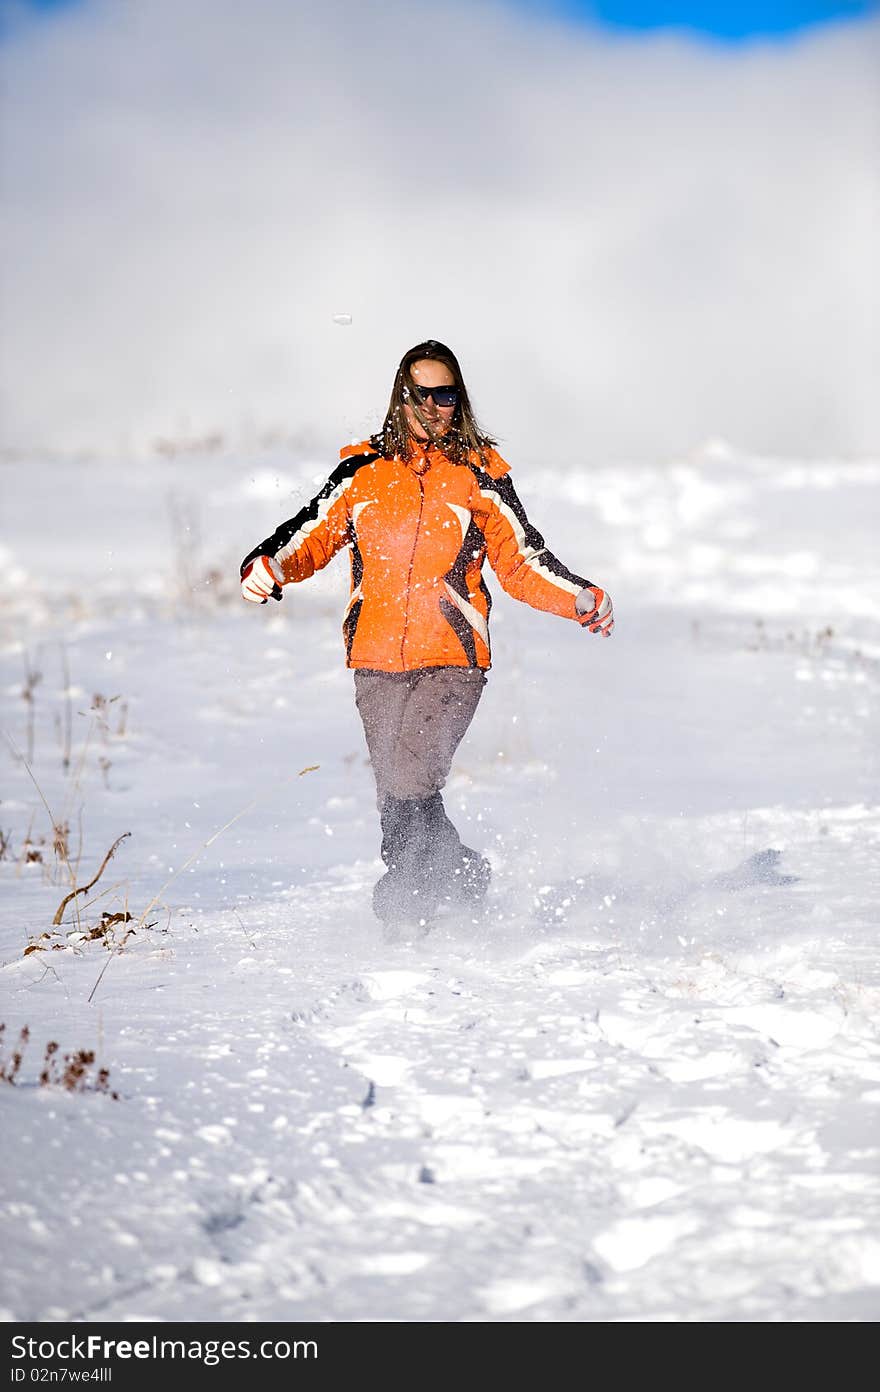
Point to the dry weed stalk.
(72, 1072)
(60, 833)
(244, 930)
(77, 777)
(23, 858)
(32, 853)
(32, 679)
(8, 1070)
(67, 726)
(101, 708)
(83, 889)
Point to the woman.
(421, 506)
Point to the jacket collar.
(422, 458)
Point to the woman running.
(420, 507)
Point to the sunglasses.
(443, 396)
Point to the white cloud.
(632, 244)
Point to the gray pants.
(414, 722)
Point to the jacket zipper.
(409, 573)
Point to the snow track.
(660, 1103)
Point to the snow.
(642, 1088)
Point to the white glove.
(596, 604)
(261, 580)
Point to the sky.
(634, 239)
(722, 20)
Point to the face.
(428, 373)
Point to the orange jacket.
(419, 531)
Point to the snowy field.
(646, 1087)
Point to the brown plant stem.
(83, 889)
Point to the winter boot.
(403, 896)
(474, 876)
(460, 874)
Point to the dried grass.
(70, 1072)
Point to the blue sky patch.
(725, 20)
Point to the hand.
(596, 605)
(259, 580)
